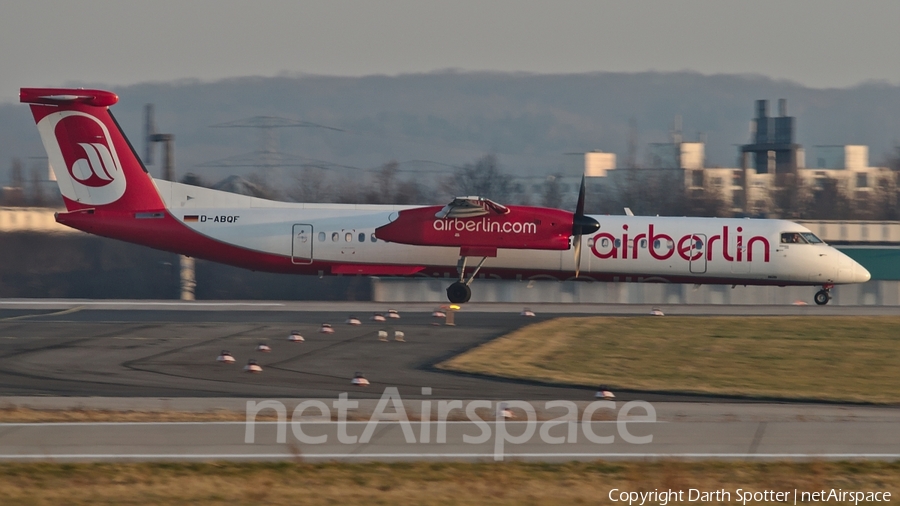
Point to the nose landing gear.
(459, 292)
(824, 295)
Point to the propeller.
(581, 224)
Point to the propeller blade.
(577, 239)
(579, 208)
(582, 224)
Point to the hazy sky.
(820, 43)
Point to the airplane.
(109, 192)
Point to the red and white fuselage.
(340, 239)
(108, 192)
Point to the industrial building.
(772, 160)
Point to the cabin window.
(618, 242)
(698, 245)
(604, 243)
(373, 238)
(321, 236)
(362, 237)
(335, 236)
(643, 243)
(348, 237)
(658, 244)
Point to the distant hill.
(429, 121)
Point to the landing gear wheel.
(822, 297)
(459, 293)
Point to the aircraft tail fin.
(95, 165)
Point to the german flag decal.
(191, 218)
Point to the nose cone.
(860, 273)
(848, 269)
(852, 271)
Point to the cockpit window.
(800, 238)
(811, 238)
(793, 238)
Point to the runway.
(172, 353)
(160, 356)
(728, 432)
(168, 348)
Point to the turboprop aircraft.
(108, 191)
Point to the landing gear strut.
(459, 292)
(824, 295)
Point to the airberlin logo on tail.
(82, 145)
(98, 163)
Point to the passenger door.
(698, 250)
(302, 244)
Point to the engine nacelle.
(521, 227)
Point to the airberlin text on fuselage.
(484, 225)
(691, 247)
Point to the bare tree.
(311, 186)
(384, 185)
(15, 195)
(194, 180)
(410, 192)
(37, 188)
(667, 194)
(627, 191)
(790, 196)
(483, 178)
(893, 159)
(645, 191)
(706, 202)
(552, 193)
(829, 201)
(884, 202)
(348, 190)
(260, 186)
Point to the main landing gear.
(824, 295)
(459, 292)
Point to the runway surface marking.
(506, 455)
(138, 303)
(58, 313)
(304, 422)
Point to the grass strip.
(505, 483)
(826, 358)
